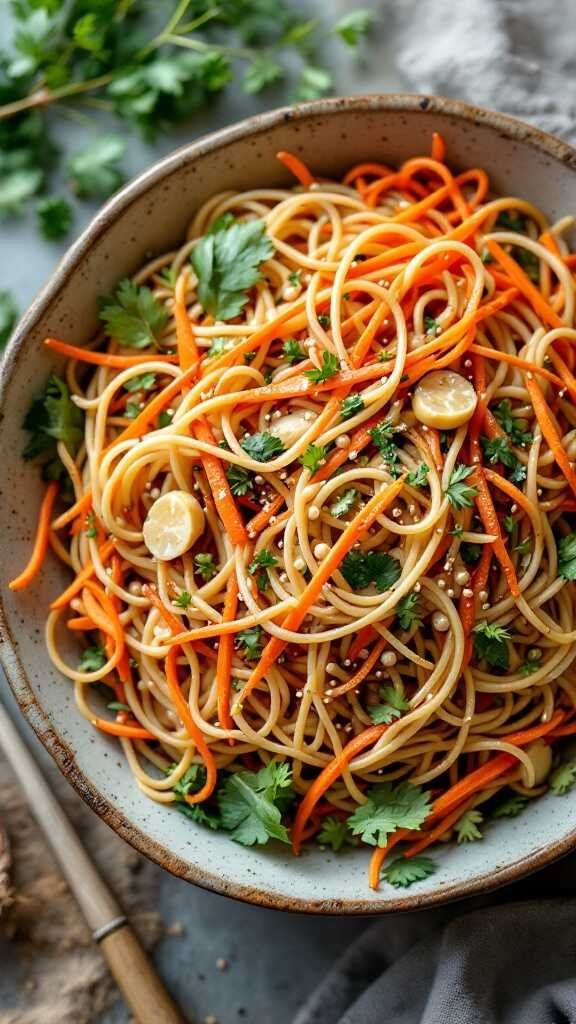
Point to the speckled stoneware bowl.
(147, 217)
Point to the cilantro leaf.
(263, 561)
(529, 262)
(510, 805)
(313, 83)
(402, 872)
(383, 437)
(199, 813)
(249, 804)
(392, 706)
(497, 449)
(466, 827)
(8, 316)
(351, 406)
(183, 599)
(490, 644)
(240, 480)
(313, 457)
(388, 808)
(292, 351)
(218, 346)
(409, 611)
(567, 557)
(514, 426)
(132, 410)
(94, 171)
(361, 568)
(353, 26)
(344, 503)
(53, 417)
(459, 494)
(116, 705)
(143, 382)
(226, 263)
(164, 418)
(470, 552)
(419, 478)
(191, 782)
(92, 659)
(529, 668)
(430, 325)
(249, 642)
(54, 217)
(262, 72)
(133, 316)
(204, 566)
(563, 778)
(16, 187)
(262, 446)
(330, 367)
(511, 222)
(334, 834)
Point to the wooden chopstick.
(133, 971)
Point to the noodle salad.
(314, 484)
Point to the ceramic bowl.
(147, 217)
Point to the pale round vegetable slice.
(290, 428)
(540, 755)
(172, 525)
(444, 399)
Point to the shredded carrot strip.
(524, 284)
(223, 499)
(548, 428)
(86, 355)
(380, 854)
(40, 543)
(364, 637)
(365, 668)
(261, 520)
(185, 341)
(568, 378)
(225, 656)
(491, 524)
(113, 625)
(80, 507)
(296, 167)
(430, 837)
(438, 147)
(85, 574)
(195, 734)
(510, 489)
(81, 623)
(129, 732)
(523, 364)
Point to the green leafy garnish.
(402, 872)
(8, 316)
(240, 480)
(204, 566)
(361, 568)
(393, 705)
(330, 367)
(524, 547)
(249, 642)
(53, 417)
(116, 705)
(183, 600)
(511, 222)
(292, 351)
(294, 277)
(514, 426)
(387, 808)
(91, 530)
(324, 320)
(567, 557)
(313, 457)
(509, 524)
(510, 805)
(563, 778)
(497, 449)
(334, 833)
(459, 493)
(262, 446)
(94, 171)
(350, 406)
(218, 346)
(419, 478)
(191, 782)
(313, 83)
(529, 668)
(93, 658)
(466, 827)
(165, 418)
(529, 262)
(251, 804)
(54, 217)
(263, 71)
(409, 611)
(133, 316)
(354, 26)
(226, 262)
(132, 410)
(143, 382)
(344, 503)
(490, 644)
(383, 437)
(263, 561)
(430, 325)
(471, 553)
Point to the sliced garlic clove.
(290, 428)
(444, 399)
(540, 755)
(173, 524)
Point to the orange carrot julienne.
(83, 505)
(522, 364)
(223, 499)
(194, 732)
(363, 637)
(328, 776)
(113, 625)
(510, 489)
(380, 854)
(225, 655)
(363, 671)
(431, 837)
(154, 597)
(296, 167)
(564, 372)
(186, 343)
(85, 574)
(355, 529)
(524, 284)
(491, 525)
(548, 428)
(41, 542)
(81, 623)
(87, 355)
(129, 732)
(438, 147)
(261, 519)
(140, 424)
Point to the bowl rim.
(507, 127)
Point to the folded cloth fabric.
(510, 958)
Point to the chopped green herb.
(567, 557)
(430, 325)
(53, 417)
(529, 667)
(259, 566)
(54, 217)
(497, 449)
(383, 437)
(250, 642)
(251, 804)
(511, 222)
(524, 547)
(115, 705)
(402, 872)
(344, 503)
(183, 599)
(409, 611)
(393, 705)
(94, 171)
(204, 566)
(219, 346)
(529, 262)
(324, 320)
(510, 805)
(240, 480)
(132, 410)
(294, 277)
(313, 83)
(361, 568)
(509, 524)
(313, 457)
(93, 658)
(460, 494)
(385, 356)
(226, 262)
(330, 367)
(334, 834)
(133, 316)
(90, 521)
(514, 426)
(471, 553)
(354, 26)
(419, 478)
(563, 778)
(466, 827)
(164, 419)
(350, 406)
(389, 807)
(262, 446)
(490, 644)
(143, 382)
(261, 73)
(292, 351)
(8, 316)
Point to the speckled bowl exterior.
(147, 217)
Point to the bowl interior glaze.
(147, 217)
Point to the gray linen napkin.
(509, 959)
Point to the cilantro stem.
(43, 97)
(167, 31)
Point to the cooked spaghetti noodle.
(358, 575)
